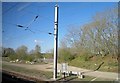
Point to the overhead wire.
(30, 30)
(17, 37)
(5, 22)
(13, 6)
(38, 7)
(32, 21)
(30, 12)
(36, 17)
(27, 27)
(20, 26)
(46, 32)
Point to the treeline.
(99, 37)
(22, 53)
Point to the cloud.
(35, 40)
(38, 41)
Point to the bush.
(38, 55)
(29, 58)
(85, 57)
(22, 57)
(13, 57)
(48, 55)
(65, 55)
(113, 63)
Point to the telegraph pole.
(55, 42)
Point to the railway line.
(13, 77)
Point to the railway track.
(14, 77)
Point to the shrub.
(29, 58)
(65, 55)
(13, 57)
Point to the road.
(49, 67)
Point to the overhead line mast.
(55, 42)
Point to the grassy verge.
(45, 74)
(30, 72)
(40, 74)
(85, 79)
(94, 63)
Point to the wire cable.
(4, 22)
(27, 26)
(32, 21)
(29, 12)
(10, 8)
(30, 30)
(47, 32)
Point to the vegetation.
(93, 45)
(30, 72)
(7, 52)
(96, 63)
(48, 55)
(46, 74)
(21, 53)
(65, 55)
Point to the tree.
(6, 52)
(98, 37)
(65, 55)
(65, 52)
(38, 51)
(21, 52)
(105, 24)
(31, 52)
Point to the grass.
(102, 79)
(75, 78)
(109, 65)
(85, 79)
(45, 74)
(30, 72)
(41, 74)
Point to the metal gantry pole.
(55, 43)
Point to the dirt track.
(49, 67)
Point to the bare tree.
(98, 37)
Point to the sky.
(23, 13)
